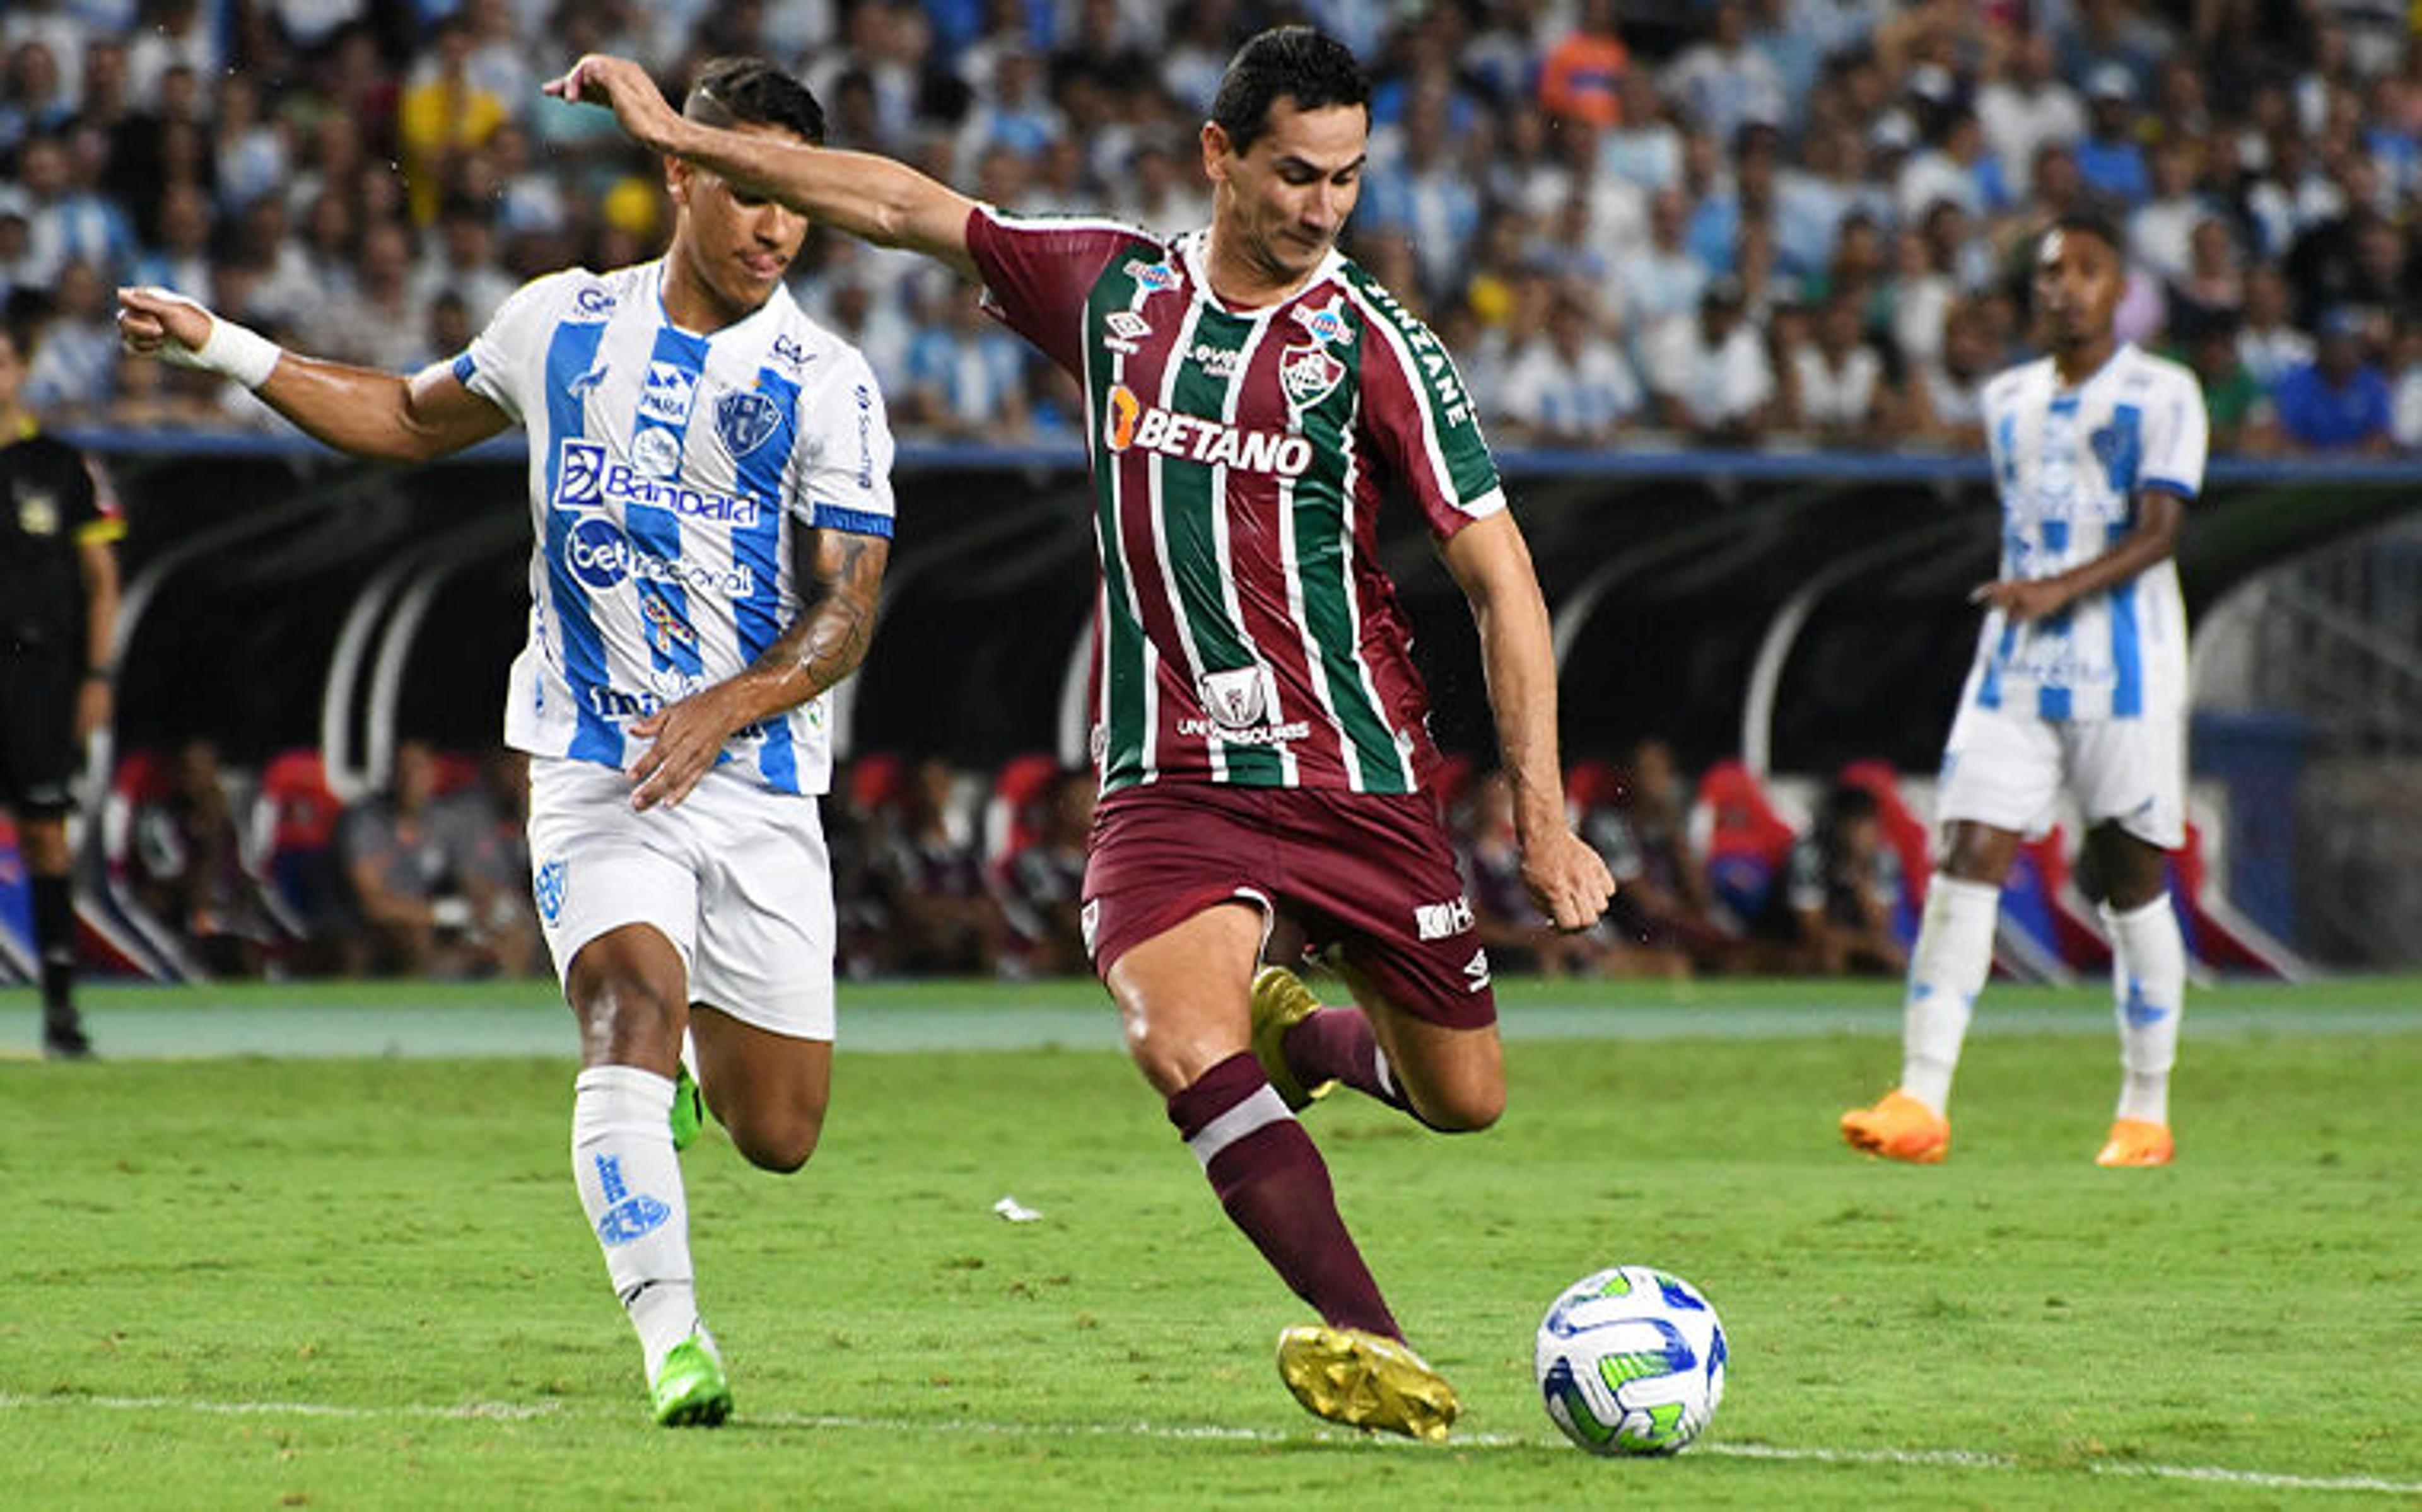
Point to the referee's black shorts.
(37, 745)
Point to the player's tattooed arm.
(817, 651)
(831, 639)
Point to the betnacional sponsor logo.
(1128, 423)
(599, 555)
(587, 478)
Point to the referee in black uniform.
(58, 599)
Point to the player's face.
(2078, 284)
(1282, 201)
(737, 244)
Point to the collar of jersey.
(657, 270)
(1188, 248)
(2109, 363)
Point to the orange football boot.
(1899, 1128)
(2135, 1142)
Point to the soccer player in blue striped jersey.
(710, 500)
(2080, 679)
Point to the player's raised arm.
(1566, 879)
(873, 198)
(356, 410)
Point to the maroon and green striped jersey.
(1245, 632)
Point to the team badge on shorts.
(546, 888)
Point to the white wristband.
(231, 350)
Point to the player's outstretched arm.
(2159, 515)
(355, 410)
(873, 198)
(822, 646)
(1565, 876)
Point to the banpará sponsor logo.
(587, 478)
(1131, 423)
(600, 557)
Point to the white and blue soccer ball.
(1631, 1362)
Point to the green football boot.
(690, 1391)
(689, 1108)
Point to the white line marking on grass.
(468, 1412)
(1184, 1433)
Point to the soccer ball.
(1631, 1362)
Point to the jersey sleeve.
(496, 364)
(92, 509)
(841, 479)
(1038, 273)
(2178, 437)
(1422, 423)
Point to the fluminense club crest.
(1308, 374)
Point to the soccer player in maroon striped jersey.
(1252, 397)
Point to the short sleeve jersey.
(49, 507)
(1246, 632)
(670, 474)
(2070, 464)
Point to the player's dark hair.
(1285, 62)
(2093, 223)
(734, 91)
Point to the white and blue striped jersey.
(2069, 464)
(668, 473)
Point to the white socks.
(630, 1186)
(2149, 982)
(1947, 971)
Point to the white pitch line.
(1942, 1459)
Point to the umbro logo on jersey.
(1128, 421)
(668, 393)
(1127, 325)
(1475, 972)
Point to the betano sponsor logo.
(1133, 424)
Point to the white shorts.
(2008, 769)
(736, 877)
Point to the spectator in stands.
(1834, 391)
(1569, 385)
(1721, 82)
(445, 112)
(2269, 342)
(2339, 401)
(1504, 920)
(2160, 231)
(1663, 910)
(1421, 194)
(1945, 398)
(484, 826)
(2110, 157)
(418, 919)
(380, 321)
(946, 919)
(1833, 913)
(1043, 883)
(32, 103)
(2211, 289)
(2240, 406)
(1580, 76)
(966, 374)
(2405, 398)
(1708, 372)
(72, 376)
(2026, 106)
(191, 871)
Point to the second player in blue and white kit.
(711, 502)
(2080, 683)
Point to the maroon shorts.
(1371, 873)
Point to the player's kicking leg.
(1182, 996)
(2148, 977)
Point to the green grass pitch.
(362, 1280)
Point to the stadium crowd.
(939, 869)
(1737, 222)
